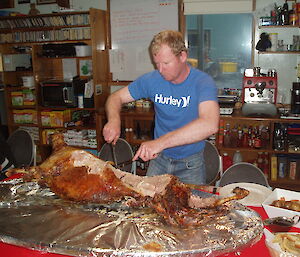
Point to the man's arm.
(199, 129)
(112, 129)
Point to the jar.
(274, 40)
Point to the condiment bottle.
(237, 157)
(227, 161)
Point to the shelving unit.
(250, 154)
(28, 34)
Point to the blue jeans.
(190, 170)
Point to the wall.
(77, 5)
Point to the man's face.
(171, 67)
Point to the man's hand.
(148, 150)
(111, 132)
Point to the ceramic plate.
(256, 197)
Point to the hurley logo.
(183, 101)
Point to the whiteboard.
(133, 25)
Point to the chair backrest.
(123, 152)
(22, 147)
(213, 162)
(243, 172)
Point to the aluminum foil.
(33, 217)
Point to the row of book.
(47, 35)
(285, 167)
(45, 21)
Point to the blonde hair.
(171, 38)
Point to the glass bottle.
(234, 137)
(227, 136)
(237, 157)
(285, 14)
(245, 137)
(260, 160)
(266, 167)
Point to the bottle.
(221, 133)
(227, 161)
(260, 160)
(265, 136)
(250, 137)
(234, 137)
(240, 137)
(285, 14)
(273, 16)
(227, 136)
(245, 137)
(257, 141)
(293, 16)
(237, 157)
(266, 167)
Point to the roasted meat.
(77, 175)
(293, 205)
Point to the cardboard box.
(28, 97)
(275, 211)
(17, 98)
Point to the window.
(221, 44)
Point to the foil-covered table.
(33, 217)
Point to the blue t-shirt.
(175, 105)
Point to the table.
(259, 249)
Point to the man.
(186, 111)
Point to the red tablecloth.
(258, 249)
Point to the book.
(274, 169)
(293, 169)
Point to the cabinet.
(137, 124)
(268, 146)
(26, 35)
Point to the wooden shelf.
(34, 31)
(69, 128)
(279, 52)
(22, 107)
(278, 26)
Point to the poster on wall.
(133, 25)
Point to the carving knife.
(113, 151)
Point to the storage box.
(28, 97)
(17, 98)
(228, 66)
(273, 211)
(82, 51)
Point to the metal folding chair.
(23, 148)
(213, 163)
(123, 152)
(243, 172)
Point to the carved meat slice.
(78, 175)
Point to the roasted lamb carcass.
(77, 175)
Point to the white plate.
(256, 197)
